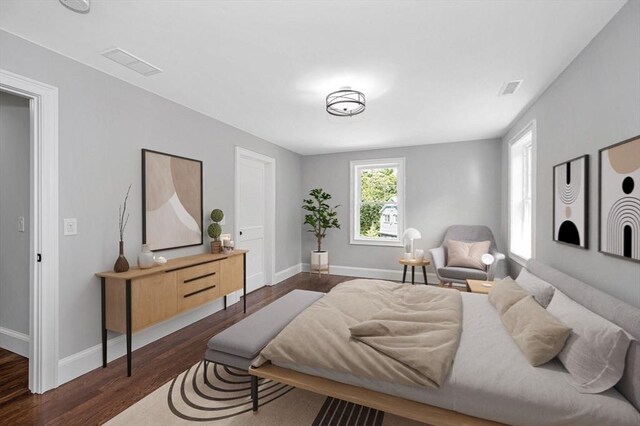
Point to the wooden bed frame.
(429, 414)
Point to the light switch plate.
(71, 226)
(21, 224)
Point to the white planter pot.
(319, 262)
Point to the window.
(377, 202)
(521, 194)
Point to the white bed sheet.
(490, 378)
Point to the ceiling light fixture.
(80, 6)
(345, 102)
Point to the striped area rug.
(221, 396)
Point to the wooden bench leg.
(254, 392)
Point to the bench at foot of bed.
(240, 344)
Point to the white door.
(251, 178)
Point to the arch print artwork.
(619, 221)
(570, 202)
(171, 201)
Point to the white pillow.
(595, 351)
(541, 290)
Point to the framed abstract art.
(571, 201)
(619, 203)
(171, 201)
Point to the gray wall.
(104, 122)
(14, 202)
(446, 184)
(593, 104)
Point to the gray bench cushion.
(248, 337)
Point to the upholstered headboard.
(616, 311)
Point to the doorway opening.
(14, 245)
(255, 210)
(40, 102)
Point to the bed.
(490, 380)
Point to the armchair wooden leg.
(441, 284)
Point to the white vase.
(145, 258)
(319, 262)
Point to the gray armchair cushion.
(457, 273)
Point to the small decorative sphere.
(217, 215)
(214, 230)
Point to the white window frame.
(531, 127)
(354, 213)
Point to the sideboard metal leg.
(103, 302)
(128, 314)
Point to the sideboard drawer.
(198, 271)
(198, 297)
(199, 278)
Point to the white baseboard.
(287, 273)
(91, 358)
(14, 341)
(382, 274)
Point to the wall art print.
(171, 201)
(570, 202)
(619, 205)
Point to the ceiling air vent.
(510, 87)
(132, 62)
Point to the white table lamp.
(411, 234)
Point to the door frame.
(270, 208)
(44, 274)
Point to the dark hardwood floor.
(103, 393)
(14, 376)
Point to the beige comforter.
(381, 330)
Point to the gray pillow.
(596, 349)
(536, 332)
(541, 290)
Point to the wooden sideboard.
(139, 298)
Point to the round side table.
(413, 263)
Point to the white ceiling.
(431, 70)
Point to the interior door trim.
(44, 258)
(270, 207)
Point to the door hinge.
(39, 257)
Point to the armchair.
(454, 274)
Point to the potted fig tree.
(321, 217)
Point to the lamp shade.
(487, 259)
(412, 234)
